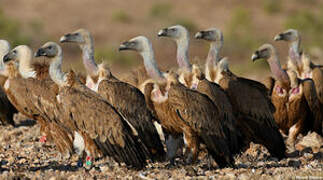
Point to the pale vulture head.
(18, 53)
(80, 36)
(176, 32)
(212, 34)
(50, 50)
(289, 35)
(4, 49)
(263, 52)
(139, 44)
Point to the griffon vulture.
(96, 124)
(298, 109)
(35, 98)
(251, 105)
(301, 63)
(192, 77)
(181, 110)
(127, 99)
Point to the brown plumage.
(192, 77)
(97, 130)
(298, 109)
(181, 110)
(127, 99)
(130, 102)
(253, 111)
(135, 76)
(35, 98)
(251, 105)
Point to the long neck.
(25, 65)
(151, 65)
(276, 69)
(55, 70)
(294, 52)
(182, 53)
(88, 58)
(214, 54)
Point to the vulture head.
(263, 52)
(176, 32)
(4, 47)
(79, 36)
(139, 44)
(212, 34)
(289, 35)
(18, 53)
(49, 49)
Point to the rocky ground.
(22, 156)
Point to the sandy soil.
(23, 156)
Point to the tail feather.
(133, 154)
(219, 150)
(263, 134)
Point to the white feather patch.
(78, 143)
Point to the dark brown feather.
(130, 102)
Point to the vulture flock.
(99, 115)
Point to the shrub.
(160, 10)
(190, 25)
(272, 6)
(309, 24)
(111, 55)
(121, 16)
(11, 31)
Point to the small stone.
(308, 156)
(312, 140)
(294, 163)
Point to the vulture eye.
(50, 47)
(77, 34)
(14, 51)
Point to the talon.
(43, 139)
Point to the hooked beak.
(124, 46)
(7, 58)
(162, 32)
(199, 35)
(279, 37)
(255, 56)
(65, 38)
(40, 52)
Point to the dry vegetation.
(246, 25)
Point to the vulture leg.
(79, 147)
(191, 146)
(292, 135)
(44, 130)
(173, 143)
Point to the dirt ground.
(22, 156)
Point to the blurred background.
(246, 25)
